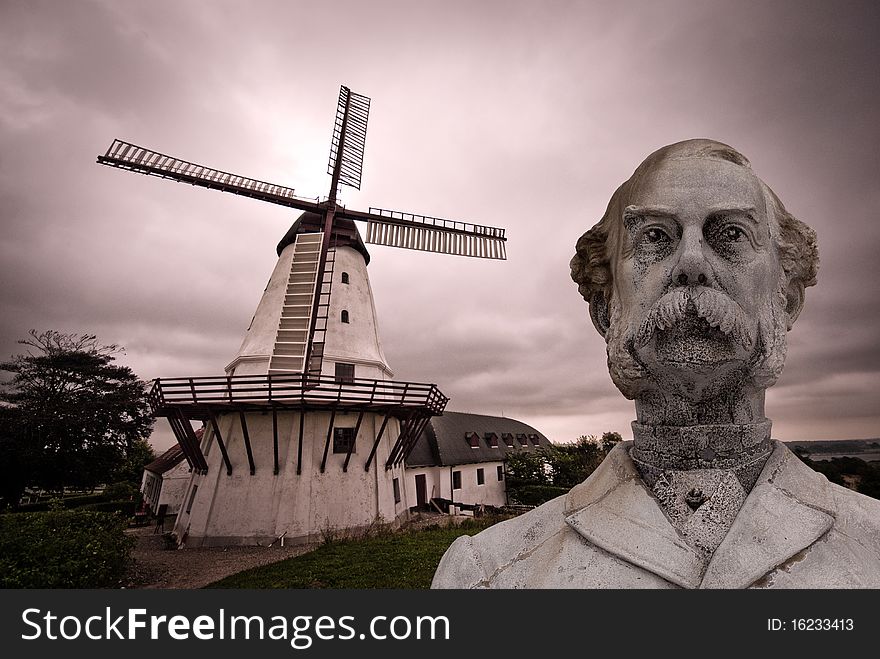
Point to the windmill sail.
(384, 227)
(432, 234)
(349, 137)
(132, 157)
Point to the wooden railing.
(292, 391)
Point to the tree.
(570, 464)
(138, 456)
(560, 465)
(529, 467)
(77, 415)
(609, 440)
(15, 463)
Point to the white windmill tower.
(306, 432)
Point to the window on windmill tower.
(508, 439)
(473, 439)
(456, 480)
(344, 316)
(522, 439)
(343, 440)
(344, 372)
(491, 439)
(396, 485)
(344, 277)
(481, 476)
(500, 469)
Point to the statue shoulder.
(471, 561)
(856, 511)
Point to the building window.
(508, 439)
(473, 439)
(500, 473)
(344, 372)
(192, 497)
(481, 476)
(456, 480)
(343, 440)
(396, 485)
(534, 439)
(491, 439)
(344, 277)
(344, 316)
(522, 439)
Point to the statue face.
(696, 278)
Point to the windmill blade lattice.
(349, 138)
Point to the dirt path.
(156, 567)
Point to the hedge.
(66, 502)
(125, 507)
(535, 495)
(63, 549)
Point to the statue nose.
(691, 267)
(684, 278)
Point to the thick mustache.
(713, 306)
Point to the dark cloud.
(516, 114)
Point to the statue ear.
(794, 300)
(599, 312)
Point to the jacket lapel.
(773, 526)
(613, 510)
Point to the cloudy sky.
(524, 115)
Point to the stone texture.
(694, 276)
(795, 530)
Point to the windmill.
(288, 385)
(345, 165)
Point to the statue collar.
(787, 510)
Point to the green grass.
(388, 560)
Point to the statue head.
(694, 275)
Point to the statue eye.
(655, 235)
(732, 233)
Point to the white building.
(459, 459)
(165, 481)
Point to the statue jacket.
(795, 530)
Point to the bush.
(112, 494)
(120, 491)
(123, 507)
(535, 495)
(63, 549)
(66, 502)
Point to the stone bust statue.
(694, 276)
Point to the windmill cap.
(345, 233)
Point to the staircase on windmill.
(307, 432)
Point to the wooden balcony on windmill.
(199, 397)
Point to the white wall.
(357, 341)
(174, 484)
(151, 487)
(439, 479)
(258, 344)
(245, 508)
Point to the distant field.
(864, 449)
(867, 457)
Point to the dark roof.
(444, 442)
(171, 458)
(344, 233)
(168, 460)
